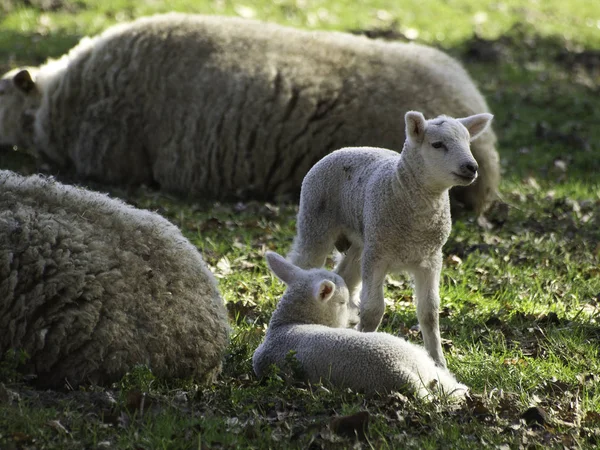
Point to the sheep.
(91, 287)
(390, 212)
(312, 320)
(228, 108)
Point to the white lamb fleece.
(310, 319)
(91, 287)
(389, 212)
(226, 107)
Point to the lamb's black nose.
(470, 167)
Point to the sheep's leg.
(310, 249)
(372, 304)
(427, 281)
(349, 269)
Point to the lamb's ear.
(281, 267)
(415, 126)
(323, 290)
(477, 124)
(23, 81)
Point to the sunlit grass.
(520, 302)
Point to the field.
(520, 298)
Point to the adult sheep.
(231, 108)
(90, 287)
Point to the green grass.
(520, 301)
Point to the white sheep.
(391, 212)
(226, 107)
(91, 287)
(311, 320)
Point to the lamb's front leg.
(372, 304)
(427, 295)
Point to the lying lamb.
(225, 107)
(311, 320)
(90, 287)
(390, 212)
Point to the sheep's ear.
(323, 290)
(281, 267)
(23, 81)
(476, 124)
(415, 126)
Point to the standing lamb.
(312, 319)
(226, 107)
(390, 212)
(90, 287)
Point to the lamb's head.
(442, 147)
(314, 296)
(19, 101)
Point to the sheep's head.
(19, 101)
(314, 296)
(443, 146)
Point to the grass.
(520, 301)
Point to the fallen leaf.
(476, 406)
(135, 401)
(7, 396)
(350, 426)
(21, 438)
(535, 415)
(453, 260)
(592, 418)
(223, 268)
(57, 426)
(447, 344)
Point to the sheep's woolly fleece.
(90, 287)
(226, 107)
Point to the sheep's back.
(227, 107)
(90, 287)
(367, 362)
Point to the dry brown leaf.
(57, 426)
(350, 426)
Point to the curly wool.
(226, 107)
(90, 287)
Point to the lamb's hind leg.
(348, 268)
(311, 245)
(427, 281)
(372, 304)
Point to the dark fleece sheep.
(227, 108)
(90, 287)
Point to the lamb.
(227, 108)
(91, 287)
(312, 319)
(389, 212)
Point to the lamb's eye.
(438, 145)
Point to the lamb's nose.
(470, 167)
